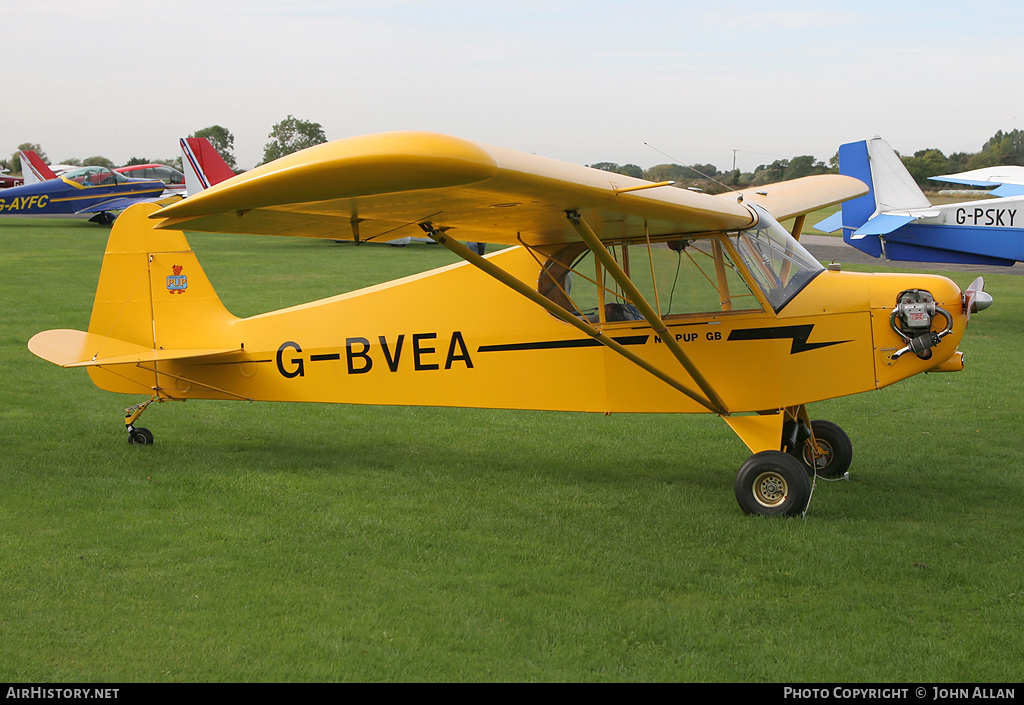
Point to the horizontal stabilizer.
(882, 225)
(75, 348)
(1007, 190)
(830, 224)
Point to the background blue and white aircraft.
(1008, 180)
(896, 220)
(94, 192)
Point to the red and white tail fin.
(202, 164)
(33, 168)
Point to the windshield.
(92, 176)
(779, 264)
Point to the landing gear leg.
(822, 446)
(136, 435)
(829, 451)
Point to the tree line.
(708, 178)
(292, 134)
(1003, 148)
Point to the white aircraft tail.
(893, 186)
(893, 198)
(202, 164)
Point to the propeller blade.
(975, 298)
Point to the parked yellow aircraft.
(618, 295)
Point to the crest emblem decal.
(177, 282)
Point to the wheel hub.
(770, 489)
(818, 459)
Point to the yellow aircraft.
(617, 295)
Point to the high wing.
(987, 176)
(1008, 179)
(383, 186)
(797, 197)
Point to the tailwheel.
(140, 437)
(828, 453)
(773, 483)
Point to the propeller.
(975, 298)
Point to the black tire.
(140, 437)
(834, 441)
(773, 483)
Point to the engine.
(912, 320)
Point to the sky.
(639, 82)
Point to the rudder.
(854, 160)
(203, 165)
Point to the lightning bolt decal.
(798, 334)
(562, 344)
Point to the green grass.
(298, 542)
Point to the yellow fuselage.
(456, 337)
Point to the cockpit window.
(687, 276)
(779, 264)
(87, 176)
(695, 275)
(167, 175)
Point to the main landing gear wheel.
(773, 483)
(140, 437)
(835, 452)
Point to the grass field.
(291, 542)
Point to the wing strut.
(438, 236)
(713, 401)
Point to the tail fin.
(153, 303)
(203, 165)
(33, 168)
(894, 187)
(892, 192)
